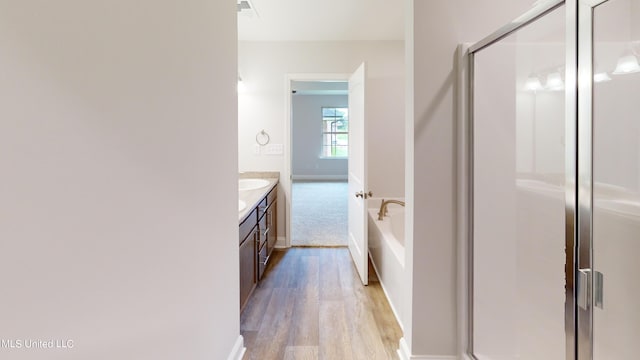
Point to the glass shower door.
(546, 183)
(614, 281)
(518, 204)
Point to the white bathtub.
(386, 249)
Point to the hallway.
(311, 305)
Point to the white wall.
(263, 67)
(434, 30)
(117, 207)
(306, 137)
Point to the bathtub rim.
(397, 247)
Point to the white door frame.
(285, 179)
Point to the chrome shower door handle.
(590, 289)
(584, 288)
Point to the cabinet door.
(272, 224)
(247, 267)
(248, 224)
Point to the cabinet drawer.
(263, 259)
(247, 225)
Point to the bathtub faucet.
(383, 207)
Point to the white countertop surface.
(253, 197)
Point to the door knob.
(360, 194)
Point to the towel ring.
(262, 138)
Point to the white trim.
(322, 157)
(320, 177)
(281, 243)
(286, 178)
(403, 350)
(463, 280)
(405, 354)
(238, 349)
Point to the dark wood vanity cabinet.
(258, 236)
(248, 246)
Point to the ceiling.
(322, 20)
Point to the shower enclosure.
(554, 191)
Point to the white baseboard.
(384, 290)
(238, 349)
(405, 354)
(319, 177)
(403, 350)
(281, 243)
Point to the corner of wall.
(409, 173)
(281, 243)
(237, 353)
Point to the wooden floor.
(312, 305)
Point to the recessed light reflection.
(601, 77)
(533, 84)
(554, 82)
(627, 64)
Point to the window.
(335, 132)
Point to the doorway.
(319, 162)
(357, 159)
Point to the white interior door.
(358, 191)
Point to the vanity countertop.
(253, 197)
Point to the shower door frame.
(585, 246)
(578, 169)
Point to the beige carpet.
(319, 214)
